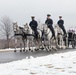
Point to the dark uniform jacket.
(33, 24)
(60, 22)
(49, 22)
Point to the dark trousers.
(52, 30)
(35, 32)
(63, 28)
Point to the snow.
(53, 64)
(12, 49)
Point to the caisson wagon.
(72, 38)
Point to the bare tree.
(6, 29)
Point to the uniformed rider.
(61, 24)
(33, 24)
(49, 23)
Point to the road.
(6, 57)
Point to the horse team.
(36, 37)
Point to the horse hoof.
(14, 50)
(23, 50)
(26, 50)
(47, 50)
(50, 49)
(20, 50)
(29, 49)
(35, 49)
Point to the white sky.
(21, 10)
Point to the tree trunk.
(7, 46)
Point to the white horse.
(30, 37)
(51, 42)
(18, 35)
(24, 35)
(35, 41)
(54, 43)
(60, 38)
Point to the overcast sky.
(21, 10)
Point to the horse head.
(17, 29)
(15, 26)
(45, 29)
(26, 28)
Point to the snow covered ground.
(53, 64)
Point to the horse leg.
(43, 44)
(36, 45)
(39, 43)
(63, 41)
(55, 45)
(49, 45)
(28, 45)
(20, 47)
(60, 41)
(66, 42)
(15, 44)
(24, 44)
(32, 43)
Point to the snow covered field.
(53, 64)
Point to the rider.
(49, 23)
(33, 24)
(61, 24)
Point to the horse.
(47, 38)
(36, 41)
(62, 42)
(30, 37)
(18, 34)
(25, 35)
(57, 43)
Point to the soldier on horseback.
(49, 23)
(33, 24)
(61, 25)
